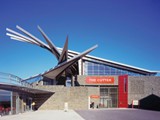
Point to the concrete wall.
(142, 87)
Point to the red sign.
(100, 80)
(94, 96)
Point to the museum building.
(79, 80)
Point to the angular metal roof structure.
(65, 64)
(67, 59)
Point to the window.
(95, 68)
(125, 85)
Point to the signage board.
(100, 80)
(94, 96)
(135, 102)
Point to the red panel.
(123, 91)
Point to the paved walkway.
(119, 114)
(96, 114)
(45, 115)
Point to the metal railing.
(13, 80)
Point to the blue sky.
(126, 31)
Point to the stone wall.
(76, 97)
(139, 88)
(143, 87)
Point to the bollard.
(65, 107)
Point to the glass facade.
(108, 97)
(5, 102)
(13, 102)
(93, 68)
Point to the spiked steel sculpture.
(65, 65)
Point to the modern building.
(81, 81)
(113, 85)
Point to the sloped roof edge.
(92, 58)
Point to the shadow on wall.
(61, 80)
(151, 102)
(40, 99)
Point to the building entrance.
(108, 97)
(105, 103)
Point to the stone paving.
(45, 115)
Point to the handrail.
(12, 79)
